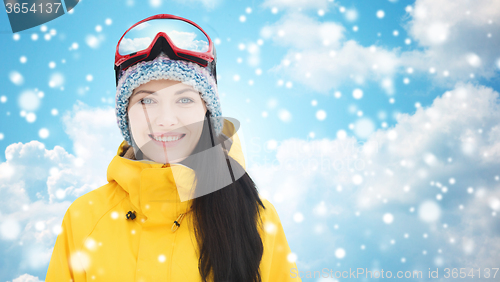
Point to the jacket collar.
(156, 190)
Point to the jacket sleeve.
(65, 263)
(277, 264)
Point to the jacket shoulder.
(270, 220)
(79, 221)
(98, 201)
(86, 211)
(269, 211)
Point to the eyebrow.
(154, 92)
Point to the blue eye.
(145, 99)
(191, 101)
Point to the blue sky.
(372, 126)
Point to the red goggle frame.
(139, 49)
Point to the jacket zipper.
(175, 226)
(177, 222)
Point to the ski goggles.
(178, 38)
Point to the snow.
(29, 101)
(16, 78)
(321, 115)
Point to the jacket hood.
(160, 192)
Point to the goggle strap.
(125, 64)
(193, 58)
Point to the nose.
(166, 117)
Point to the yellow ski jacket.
(99, 243)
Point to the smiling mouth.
(167, 139)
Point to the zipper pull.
(131, 215)
(166, 165)
(177, 222)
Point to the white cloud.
(27, 278)
(454, 35)
(37, 185)
(454, 39)
(320, 58)
(299, 31)
(356, 183)
(28, 207)
(95, 136)
(477, 249)
(128, 45)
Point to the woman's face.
(166, 119)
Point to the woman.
(179, 205)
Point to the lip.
(167, 144)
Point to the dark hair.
(226, 220)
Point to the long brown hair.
(226, 221)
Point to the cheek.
(136, 118)
(192, 115)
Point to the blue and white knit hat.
(162, 67)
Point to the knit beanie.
(162, 67)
